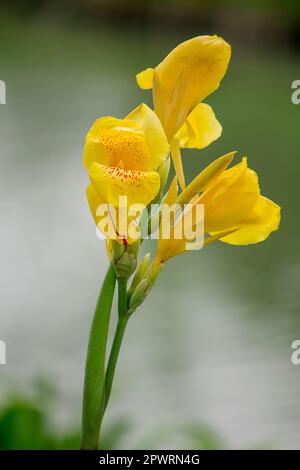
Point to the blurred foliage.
(272, 20)
(25, 424)
(147, 8)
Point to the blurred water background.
(206, 361)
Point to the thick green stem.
(117, 341)
(94, 380)
(122, 297)
(113, 358)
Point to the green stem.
(113, 358)
(122, 297)
(94, 379)
(117, 341)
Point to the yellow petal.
(145, 78)
(95, 149)
(176, 157)
(147, 121)
(264, 219)
(171, 195)
(236, 192)
(205, 178)
(191, 71)
(109, 220)
(218, 236)
(111, 183)
(200, 128)
(94, 201)
(220, 185)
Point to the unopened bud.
(140, 272)
(153, 274)
(125, 265)
(163, 172)
(133, 248)
(138, 296)
(142, 289)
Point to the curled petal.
(200, 128)
(232, 198)
(189, 73)
(264, 219)
(177, 160)
(147, 121)
(145, 78)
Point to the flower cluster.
(129, 158)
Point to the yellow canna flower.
(235, 202)
(189, 73)
(234, 210)
(122, 157)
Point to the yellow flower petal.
(94, 201)
(200, 128)
(188, 74)
(111, 183)
(234, 196)
(207, 177)
(147, 121)
(95, 149)
(221, 184)
(218, 236)
(263, 219)
(108, 219)
(145, 79)
(176, 157)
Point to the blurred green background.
(206, 361)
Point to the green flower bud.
(163, 172)
(125, 265)
(140, 272)
(134, 248)
(138, 296)
(153, 274)
(141, 291)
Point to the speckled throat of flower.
(127, 149)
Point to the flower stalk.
(94, 379)
(129, 159)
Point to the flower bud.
(140, 272)
(142, 289)
(134, 248)
(125, 259)
(138, 296)
(153, 274)
(125, 265)
(163, 172)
